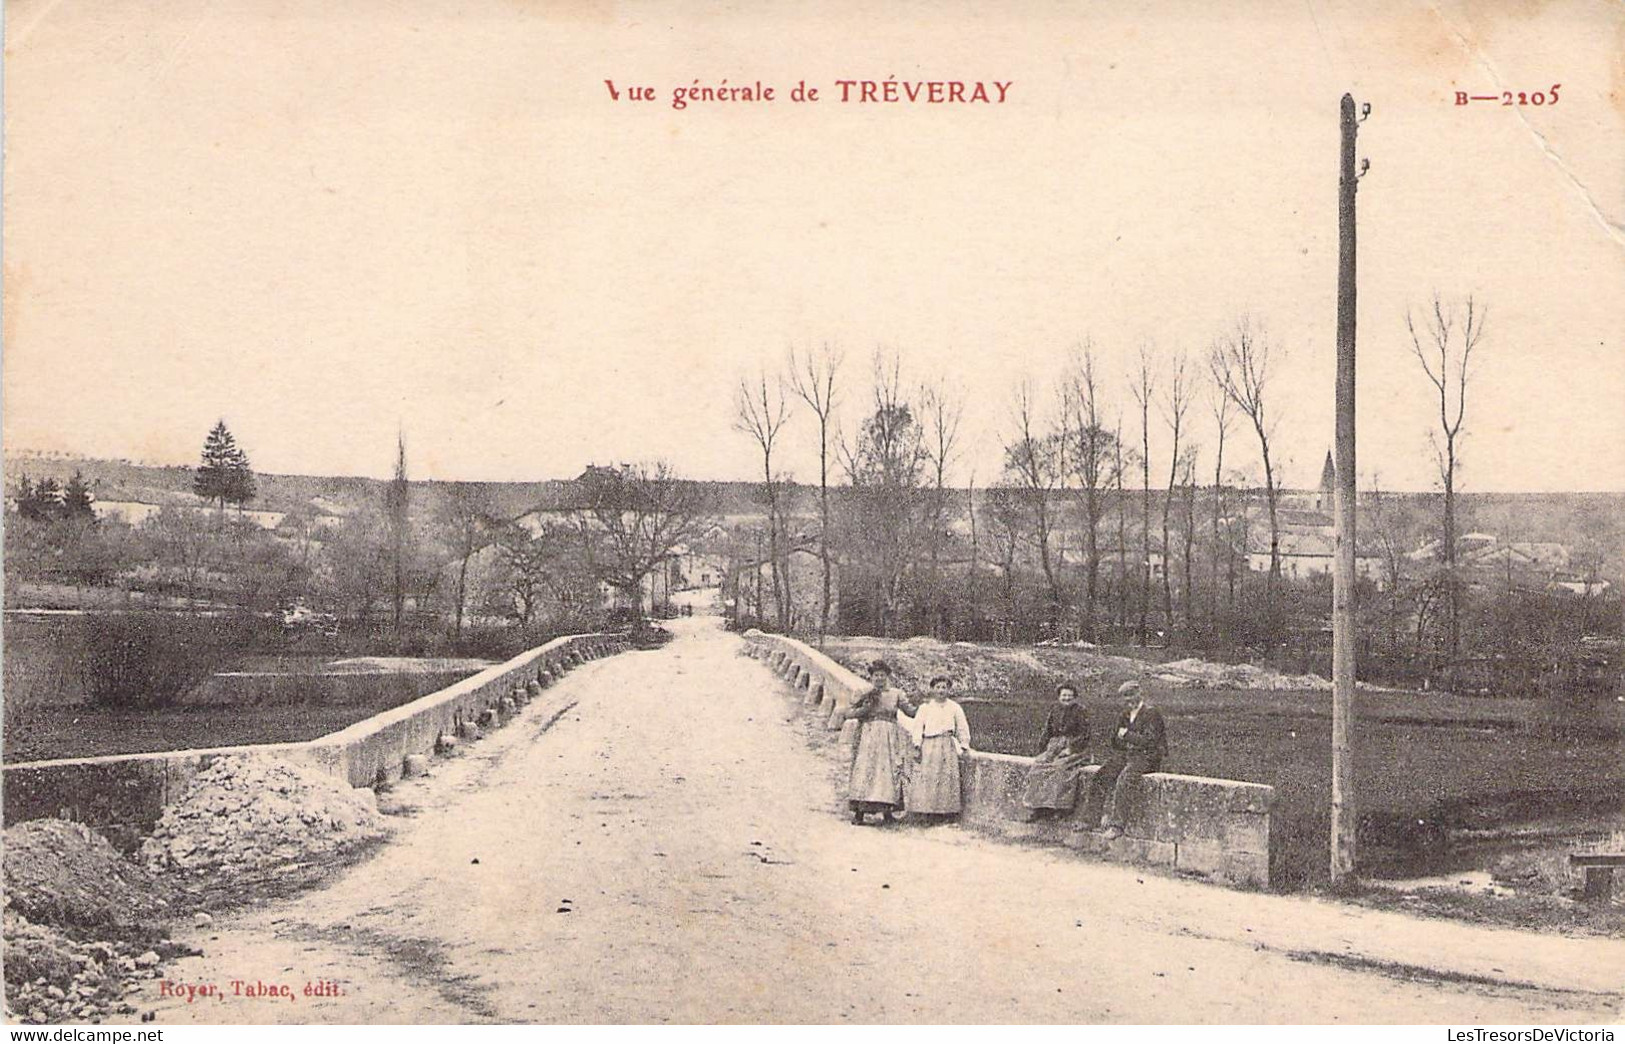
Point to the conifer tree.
(223, 475)
(76, 498)
(44, 502)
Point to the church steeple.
(1328, 485)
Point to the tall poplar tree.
(398, 517)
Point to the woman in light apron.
(941, 734)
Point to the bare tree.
(1036, 462)
(1173, 406)
(813, 380)
(972, 582)
(761, 413)
(1007, 528)
(1240, 363)
(1095, 457)
(1122, 523)
(183, 543)
(1599, 532)
(943, 410)
(1386, 522)
(356, 563)
(634, 520)
(885, 465)
(1451, 333)
(527, 560)
(542, 564)
(468, 515)
(1143, 391)
(1220, 405)
(1187, 483)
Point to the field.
(263, 713)
(1443, 780)
(250, 699)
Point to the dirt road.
(673, 849)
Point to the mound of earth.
(1003, 670)
(250, 813)
(82, 923)
(64, 874)
(979, 669)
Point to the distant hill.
(151, 483)
(1568, 518)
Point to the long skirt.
(875, 780)
(934, 783)
(1053, 780)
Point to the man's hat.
(1128, 688)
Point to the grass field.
(263, 708)
(290, 695)
(1429, 767)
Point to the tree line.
(393, 565)
(1118, 513)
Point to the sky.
(328, 224)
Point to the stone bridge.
(662, 838)
(123, 795)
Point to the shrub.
(648, 637)
(151, 659)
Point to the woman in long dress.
(874, 782)
(1052, 782)
(941, 735)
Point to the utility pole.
(1345, 809)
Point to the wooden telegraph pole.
(1344, 807)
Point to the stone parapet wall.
(124, 794)
(1215, 828)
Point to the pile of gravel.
(249, 813)
(1194, 672)
(54, 977)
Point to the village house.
(138, 512)
(1486, 561)
(1307, 536)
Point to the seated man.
(1138, 745)
(1052, 782)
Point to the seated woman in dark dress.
(1052, 782)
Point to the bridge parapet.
(831, 688)
(1216, 828)
(127, 793)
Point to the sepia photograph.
(620, 512)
